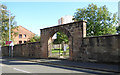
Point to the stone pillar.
(44, 44)
(79, 32)
(50, 47)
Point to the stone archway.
(75, 32)
(52, 32)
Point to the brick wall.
(23, 31)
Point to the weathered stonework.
(102, 48)
(27, 50)
(5, 51)
(74, 31)
(98, 48)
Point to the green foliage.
(57, 50)
(99, 20)
(36, 38)
(118, 29)
(5, 24)
(61, 37)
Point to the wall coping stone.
(27, 43)
(65, 24)
(100, 36)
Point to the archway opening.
(58, 46)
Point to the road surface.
(19, 66)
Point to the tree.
(5, 25)
(118, 29)
(99, 20)
(36, 38)
(61, 37)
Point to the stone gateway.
(97, 48)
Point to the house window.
(20, 35)
(24, 35)
(20, 42)
(24, 41)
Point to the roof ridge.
(26, 29)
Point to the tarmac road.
(19, 66)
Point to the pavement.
(86, 65)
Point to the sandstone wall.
(5, 51)
(99, 49)
(24, 50)
(102, 48)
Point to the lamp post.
(0, 29)
(9, 32)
